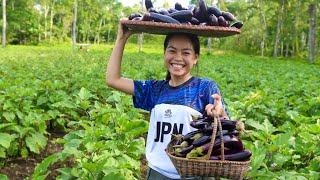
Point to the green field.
(44, 90)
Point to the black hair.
(194, 42)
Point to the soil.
(20, 168)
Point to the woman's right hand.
(123, 32)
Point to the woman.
(172, 102)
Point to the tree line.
(278, 28)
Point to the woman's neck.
(176, 81)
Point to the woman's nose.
(178, 56)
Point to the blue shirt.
(195, 93)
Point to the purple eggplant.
(214, 10)
(194, 21)
(230, 141)
(188, 136)
(162, 18)
(134, 15)
(178, 6)
(213, 20)
(199, 124)
(201, 141)
(239, 156)
(199, 151)
(228, 16)
(148, 4)
(182, 16)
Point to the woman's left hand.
(216, 109)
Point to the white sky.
(158, 3)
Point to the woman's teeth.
(177, 65)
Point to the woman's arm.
(114, 78)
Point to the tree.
(312, 32)
(279, 25)
(4, 26)
(74, 24)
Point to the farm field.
(60, 120)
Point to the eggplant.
(182, 16)
(228, 16)
(228, 124)
(194, 21)
(178, 6)
(137, 19)
(134, 15)
(203, 10)
(201, 141)
(162, 18)
(230, 141)
(227, 151)
(199, 124)
(188, 136)
(183, 144)
(164, 12)
(148, 4)
(199, 151)
(239, 156)
(197, 136)
(214, 10)
(186, 150)
(237, 24)
(222, 21)
(213, 20)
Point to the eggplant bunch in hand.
(196, 144)
(193, 15)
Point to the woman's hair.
(194, 42)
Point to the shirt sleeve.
(143, 95)
(214, 89)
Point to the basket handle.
(216, 124)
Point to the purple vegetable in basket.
(199, 151)
(240, 156)
(230, 141)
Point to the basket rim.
(166, 28)
(208, 161)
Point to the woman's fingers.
(209, 109)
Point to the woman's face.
(180, 57)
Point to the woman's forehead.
(180, 41)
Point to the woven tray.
(166, 28)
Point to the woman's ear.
(196, 59)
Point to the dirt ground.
(20, 168)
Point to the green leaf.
(2, 152)
(114, 175)
(36, 142)
(6, 139)
(84, 94)
(9, 116)
(4, 125)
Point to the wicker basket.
(209, 168)
(166, 28)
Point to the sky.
(158, 3)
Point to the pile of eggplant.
(196, 144)
(193, 15)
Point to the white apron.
(166, 119)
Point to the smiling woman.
(173, 101)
